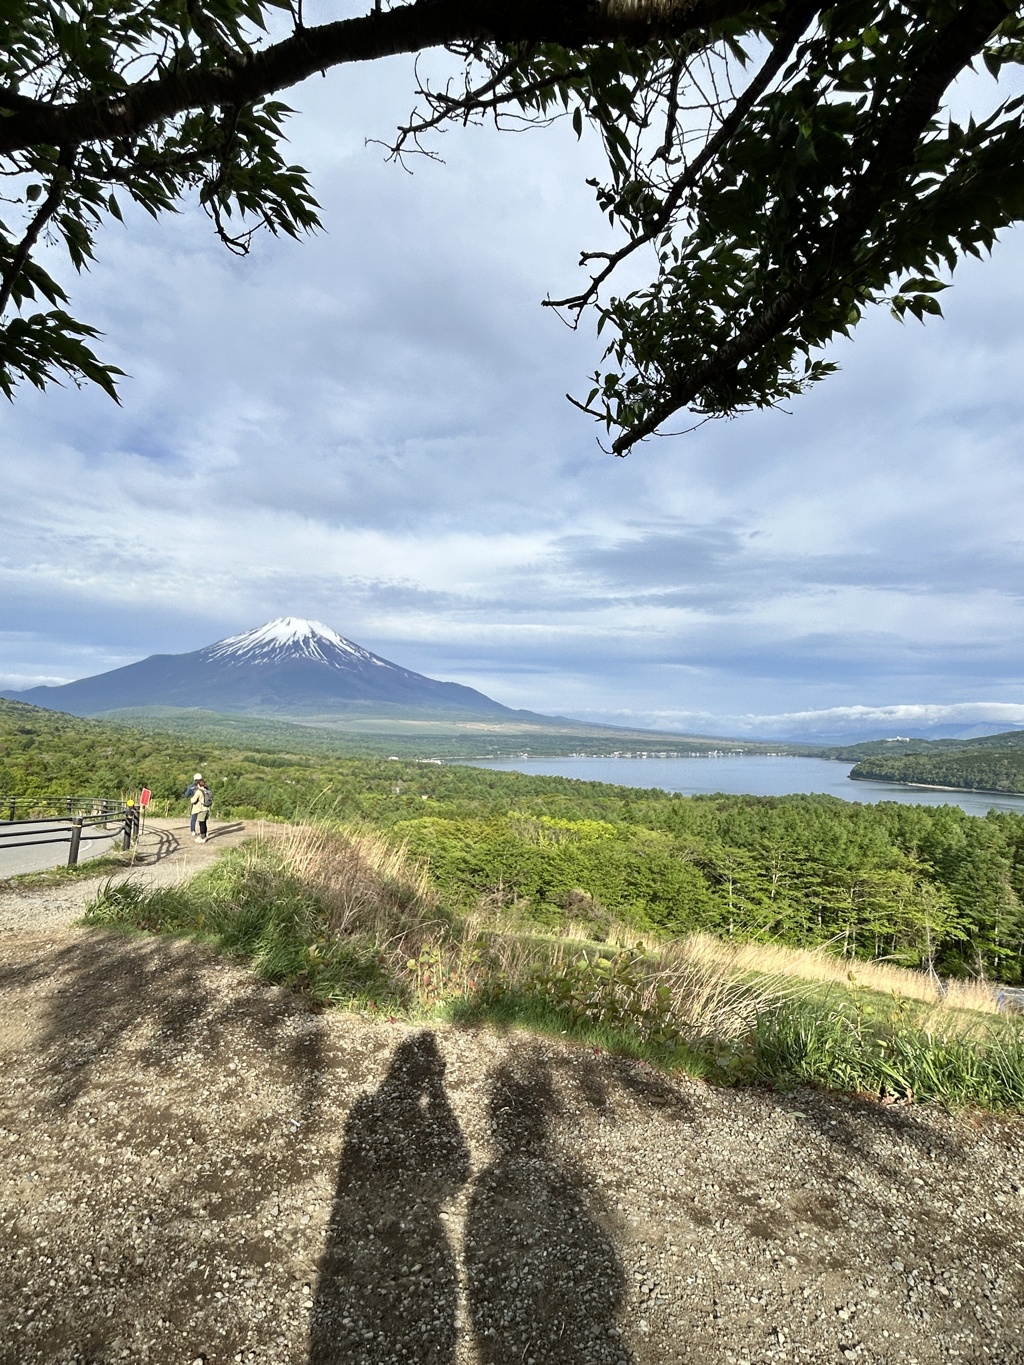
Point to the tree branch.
(896, 144)
(788, 39)
(58, 189)
(408, 28)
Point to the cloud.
(369, 428)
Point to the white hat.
(196, 777)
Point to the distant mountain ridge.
(289, 666)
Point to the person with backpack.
(189, 793)
(200, 803)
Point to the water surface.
(750, 775)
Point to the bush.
(322, 917)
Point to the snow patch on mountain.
(292, 637)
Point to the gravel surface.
(165, 854)
(196, 1168)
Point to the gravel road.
(197, 1168)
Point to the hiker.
(201, 801)
(189, 793)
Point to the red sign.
(144, 796)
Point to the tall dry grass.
(366, 885)
(659, 994)
(775, 960)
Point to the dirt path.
(166, 853)
(196, 1168)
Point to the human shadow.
(545, 1281)
(387, 1286)
(221, 831)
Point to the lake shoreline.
(935, 786)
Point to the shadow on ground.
(387, 1279)
(107, 994)
(544, 1281)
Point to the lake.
(749, 775)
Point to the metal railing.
(80, 813)
(44, 807)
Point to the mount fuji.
(289, 666)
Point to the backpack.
(207, 798)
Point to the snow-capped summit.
(290, 666)
(292, 637)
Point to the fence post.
(76, 841)
(14, 802)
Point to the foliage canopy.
(781, 164)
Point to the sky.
(369, 428)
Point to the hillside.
(201, 1169)
(431, 736)
(548, 1120)
(995, 763)
(1006, 739)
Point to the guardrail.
(101, 812)
(43, 807)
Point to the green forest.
(995, 764)
(920, 886)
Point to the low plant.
(844, 1048)
(252, 905)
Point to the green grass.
(841, 1048)
(290, 914)
(255, 910)
(517, 1009)
(57, 876)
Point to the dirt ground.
(195, 1167)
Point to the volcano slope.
(197, 1168)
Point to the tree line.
(975, 768)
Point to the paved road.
(40, 856)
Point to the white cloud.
(368, 428)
